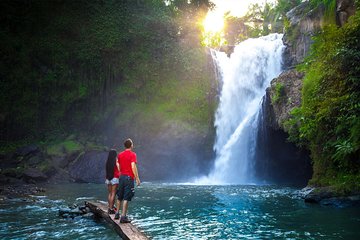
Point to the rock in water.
(72, 212)
(327, 197)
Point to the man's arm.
(117, 165)
(135, 171)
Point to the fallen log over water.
(125, 230)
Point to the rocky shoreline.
(326, 196)
(18, 190)
(23, 173)
(65, 162)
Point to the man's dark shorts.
(126, 188)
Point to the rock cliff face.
(285, 91)
(344, 9)
(284, 95)
(303, 25)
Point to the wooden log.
(125, 230)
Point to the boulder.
(89, 167)
(60, 176)
(317, 195)
(73, 212)
(60, 161)
(35, 160)
(326, 196)
(34, 175)
(26, 150)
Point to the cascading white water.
(244, 79)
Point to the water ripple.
(170, 211)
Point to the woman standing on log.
(112, 178)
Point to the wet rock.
(317, 195)
(89, 167)
(84, 209)
(26, 150)
(34, 175)
(20, 190)
(61, 176)
(38, 190)
(75, 211)
(9, 180)
(327, 197)
(88, 215)
(68, 212)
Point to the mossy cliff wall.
(322, 65)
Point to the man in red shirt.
(128, 173)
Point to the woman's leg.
(109, 186)
(112, 195)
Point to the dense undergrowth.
(328, 122)
(81, 66)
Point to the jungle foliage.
(328, 122)
(260, 20)
(77, 66)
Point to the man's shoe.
(125, 219)
(117, 215)
(111, 211)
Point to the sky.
(236, 7)
(214, 21)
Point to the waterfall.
(244, 78)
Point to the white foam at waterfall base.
(244, 79)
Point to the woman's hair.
(110, 164)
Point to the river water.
(181, 211)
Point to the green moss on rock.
(66, 147)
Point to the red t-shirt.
(125, 158)
(116, 172)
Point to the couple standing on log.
(121, 171)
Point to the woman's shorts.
(112, 181)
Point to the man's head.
(128, 143)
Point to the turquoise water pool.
(181, 211)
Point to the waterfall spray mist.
(244, 79)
